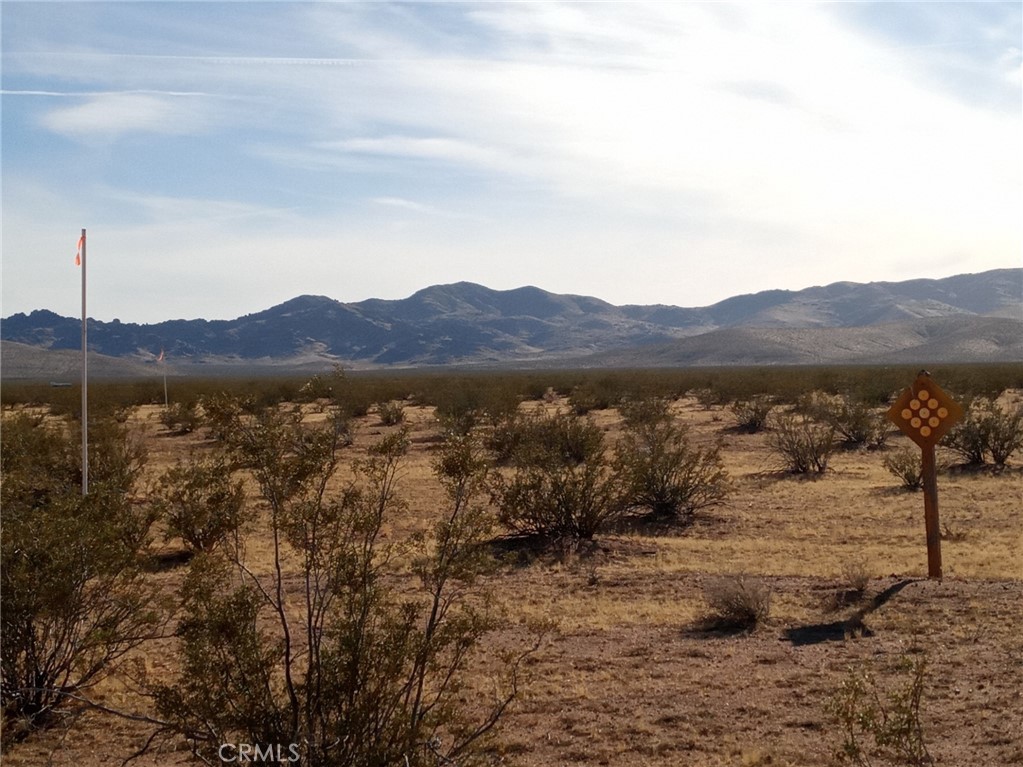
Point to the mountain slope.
(467, 323)
(932, 340)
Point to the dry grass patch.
(623, 683)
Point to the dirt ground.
(631, 678)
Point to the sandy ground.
(630, 677)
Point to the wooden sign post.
(925, 413)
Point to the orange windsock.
(78, 254)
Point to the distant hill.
(939, 339)
(968, 317)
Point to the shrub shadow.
(526, 549)
(713, 627)
(168, 560)
(851, 627)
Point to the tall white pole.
(85, 383)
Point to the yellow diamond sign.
(924, 412)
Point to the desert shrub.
(907, 465)
(662, 472)
(181, 417)
(221, 413)
(853, 419)
(73, 600)
(708, 397)
(987, 430)
(751, 414)
(199, 502)
(967, 438)
(391, 413)
(464, 404)
(334, 389)
(855, 576)
(1004, 431)
(560, 502)
(346, 668)
(737, 602)
(637, 412)
(537, 438)
(596, 394)
(803, 445)
(880, 723)
(563, 486)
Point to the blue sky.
(226, 157)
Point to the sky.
(226, 157)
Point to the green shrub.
(199, 502)
(181, 417)
(563, 486)
(857, 423)
(73, 599)
(907, 465)
(751, 414)
(340, 665)
(890, 719)
(464, 404)
(538, 438)
(987, 430)
(637, 412)
(596, 394)
(221, 413)
(662, 472)
(391, 413)
(709, 397)
(804, 445)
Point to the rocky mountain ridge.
(465, 323)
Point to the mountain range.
(969, 317)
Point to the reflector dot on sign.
(907, 413)
(932, 404)
(923, 394)
(924, 412)
(934, 422)
(942, 412)
(915, 404)
(925, 431)
(915, 423)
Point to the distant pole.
(85, 377)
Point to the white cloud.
(413, 148)
(110, 115)
(673, 152)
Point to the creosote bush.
(751, 414)
(856, 422)
(987, 429)
(803, 445)
(391, 413)
(340, 665)
(881, 724)
(181, 417)
(73, 599)
(907, 465)
(557, 493)
(662, 472)
(536, 437)
(595, 394)
(199, 502)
